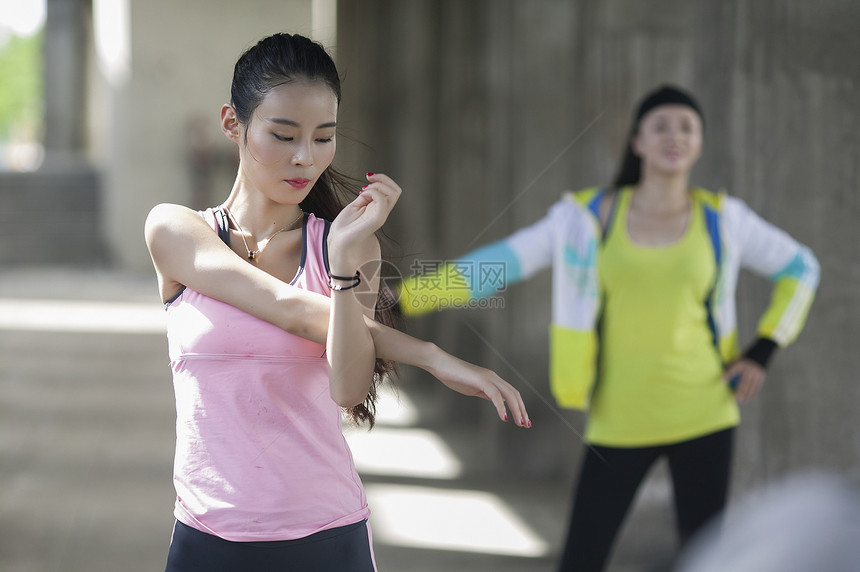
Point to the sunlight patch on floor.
(394, 407)
(393, 448)
(441, 519)
(401, 452)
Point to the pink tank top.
(259, 450)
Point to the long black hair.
(277, 60)
(630, 171)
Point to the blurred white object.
(807, 522)
(23, 18)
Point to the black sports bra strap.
(223, 224)
(324, 244)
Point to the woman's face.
(290, 140)
(669, 140)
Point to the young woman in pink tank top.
(273, 329)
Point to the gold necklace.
(253, 254)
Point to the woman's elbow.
(295, 317)
(350, 388)
(347, 398)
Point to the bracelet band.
(357, 276)
(356, 280)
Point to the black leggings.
(336, 550)
(610, 477)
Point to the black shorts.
(342, 549)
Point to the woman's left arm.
(792, 267)
(353, 249)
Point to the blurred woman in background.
(644, 331)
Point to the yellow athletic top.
(660, 377)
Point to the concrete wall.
(50, 218)
(486, 110)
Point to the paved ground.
(86, 443)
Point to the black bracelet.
(356, 280)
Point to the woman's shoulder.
(716, 200)
(168, 211)
(175, 215)
(316, 231)
(575, 212)
(592, 202)
(316, 221)
(586, 196)
(316, 228)
(169, 217)
(720, 200)
(167, 222)
(732, 209)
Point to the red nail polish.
(506, 416)
(523, 422)
(364, 187)
(370, 174)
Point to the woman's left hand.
(750, 378)
(365, 215)
(473, 380)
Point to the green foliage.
(21, 86)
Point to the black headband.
(668, 95)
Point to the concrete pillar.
(65, 48)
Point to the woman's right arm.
(187, 252)
(480, 273)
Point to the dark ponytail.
(630, 170)
(277, 60)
